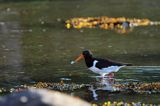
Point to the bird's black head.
(88, 58)
(87, 53)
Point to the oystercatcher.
(100, 66)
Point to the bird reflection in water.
(102, 84)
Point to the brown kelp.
(119, 24)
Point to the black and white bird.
(100, 66)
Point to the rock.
(41, 97)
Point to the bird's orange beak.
(78, 59)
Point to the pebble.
(109, 103)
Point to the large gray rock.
(41, 97)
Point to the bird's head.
(87, 53)
(84, 54)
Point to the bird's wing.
(104, 63)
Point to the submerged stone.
(41, 97)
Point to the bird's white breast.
(94, 68)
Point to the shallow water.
(35, 45)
